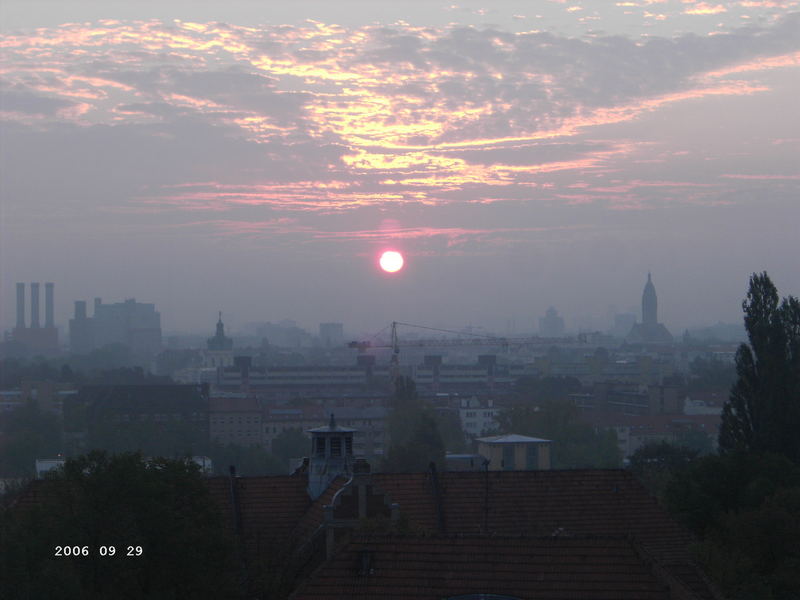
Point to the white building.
(477, 416)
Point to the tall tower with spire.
(649, 331)
(649, 304)
(219, 349)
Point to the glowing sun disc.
(391, 261)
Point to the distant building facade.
(133, 324)
(551, 325)
(331, 335)
(477, 416)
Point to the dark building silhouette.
(649, 331)
(37, 339)
(220, 342)
(133, 324)
(551, 325)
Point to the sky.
(256, 158)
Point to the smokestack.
(21, 305)
(48, 305)
(34, 306)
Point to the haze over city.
(258, 157)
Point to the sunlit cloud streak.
(325, 118)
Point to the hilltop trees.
(763, 412)
(745, 502)
(160, 508)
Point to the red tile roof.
(442, 567)
(543, 503)
(271, 507)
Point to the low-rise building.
(513, 452)
(235, 420)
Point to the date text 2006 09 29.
(133, 551)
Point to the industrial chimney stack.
(20, 306)
(34, 306)
(34, 337)
(48, 305)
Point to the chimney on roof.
(331, 456)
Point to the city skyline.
(258, 160)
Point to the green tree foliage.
(250, 461)
(763, 412)
(695, 440)
(292, 443)
(746, 509)
(754, 554)
(415, 439)
(174, 438)
(655, 464)
(162, 506)
(715, 485)
(26, 434)
(575, 444)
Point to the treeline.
(743, 504)
(29, 432)
(72, 370)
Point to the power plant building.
(36, 337)
(134, 324)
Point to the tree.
(289, 444)
(746, 509)
(712, 486)
(415, 439)
(575, 444)
(250, 461)
(98, 500)
(755, 554)
(763, 411)
(26, 434)
(654, 464)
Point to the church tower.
(649, 304)
(219, 349)
(220, 342)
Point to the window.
(348, 446)
(336, 446)
(320, 446)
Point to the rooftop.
(511, 438)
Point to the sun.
(391, 261)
